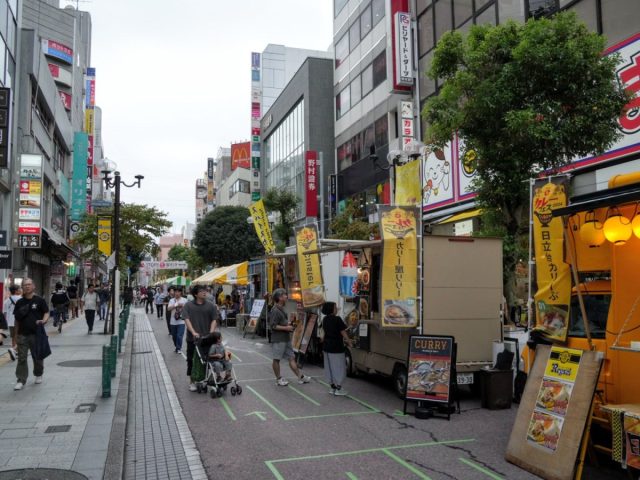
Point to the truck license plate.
(465, 378)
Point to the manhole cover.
(41, 474)
(58, 429)
(86, 408)
(81, 363)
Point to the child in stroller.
(216, 359)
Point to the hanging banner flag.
(399, 284)
(261, 224)
(553, 277)
(309, 268)
(311, 181)
(104, 234)
(408, 191)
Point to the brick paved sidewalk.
(63, 423)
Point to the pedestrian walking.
(335, 336)
(281, 339)
(176, 304)
(30, 312)
(148, 300)
(104, 298)
(167, 314)
(72, 292)
(59, 302)
(158, 299)
(90, 305)
(200, 318)
(15, 293)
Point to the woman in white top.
(7, 309)
(177, 322)
(90, 305)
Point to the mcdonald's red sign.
(240, 155)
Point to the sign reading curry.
(399, 284)
(309, 266)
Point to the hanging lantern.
(635, 225)
(348, 276)
(591, 231)
(617, 229)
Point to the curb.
(114, 467)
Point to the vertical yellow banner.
(104, 234)
(553, 275)
(309, 266)
(261, 224)
(399, 284)
(408, 190)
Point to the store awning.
(237, 274)
(458, 217)
(59, 242)
(178, 281)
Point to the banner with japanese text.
(553, 274)
(399, 283)
(261, 224)
(104, 234)
(309, 268)
(408, 188)
(311, 180)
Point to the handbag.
(42, 349)
(3, 322)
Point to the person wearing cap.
(281, 339)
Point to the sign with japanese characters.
(57, 50)
(311, 182)
(261, 224)
(5, 120)
(309, 268)
(168, 265)
(29, 203)
(104, 234)
(403, 49)
(553, 276)
(79, 181)
(399, 283)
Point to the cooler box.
(496, 388)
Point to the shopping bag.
(42, 348)
(197, 368)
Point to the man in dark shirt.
(30, 311)
(72, 291)
(201, 318)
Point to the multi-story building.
(167, 242)
(235, 188)
(300, 121)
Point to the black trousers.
(191, 349)
(167, 315)
(148, 305)
(159, 309)
(90, 316)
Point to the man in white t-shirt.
(90, 305)
(176, 321)
(7, 309)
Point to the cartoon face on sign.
(437, 177)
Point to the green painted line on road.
(487, 472)
(346, 414)
(400, 413)
(236, 357)
(253, 364)
(274, 470)
(228, 408)
(361, 402)
(260, 415)
(268, 404)
(263, 356)
(303, 395)
(405, 464)
(351, 476)
(372, 450)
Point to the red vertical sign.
(311, 181)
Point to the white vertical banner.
(403, 49)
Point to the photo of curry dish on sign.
(399, 313)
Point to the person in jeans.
(335, 336)
(148, 300)
(167, 314)
(104, 297)
(90, 305)
(201, 318)
(30, 311)
(281, 339)
(176, 304)
(158, 299)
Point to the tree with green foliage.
(284, 203)
(140, 225)
(195, 264)
(524, 98)
(348, 225)
(224, 237)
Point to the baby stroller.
(203, 345)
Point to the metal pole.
(531, 257)
(321, 160)
(116, 244)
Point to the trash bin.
(496, 388)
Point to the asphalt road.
(302, 432)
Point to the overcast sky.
(173, 82)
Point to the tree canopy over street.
(284, 203)
(224, 237)
(523, 98)
(195, 264)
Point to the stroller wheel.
(219, 392)
(212, 393)
(233, 391)
(239, 389)
(224, 387)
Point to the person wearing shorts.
(281, 339)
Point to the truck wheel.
(400, 380)
(351, 369)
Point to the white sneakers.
(304, 379)
(38, 379)
(282, 382)
(192, 387)
(339, 393)
(18, 386)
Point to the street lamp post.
(115, 183)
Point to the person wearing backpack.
(72, 292)
(60, 301)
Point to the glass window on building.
(356, 91)
(427, 85)
(462, 11)
(3, 69)
(343, 102)
(379, 69)
(377, 9)
(11, 34)
(510, 10)
(425, 32)
(369, 138)
(342, 50)
(422, 4)
(382, 131)
(443, 17)
(487, 17)
(365, 22)
(338, 5)
(541, 8)
(367, 80)
(620, 19)
(481, 3)
(354, 35)
(4, 14)
(586, 10)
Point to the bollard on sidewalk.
(106, 371)
(114, 354)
